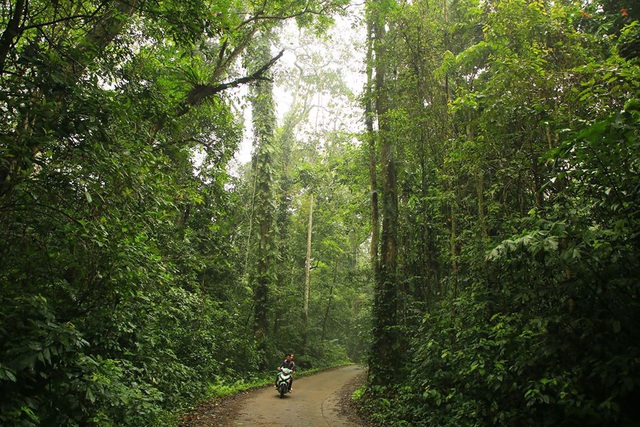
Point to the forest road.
(314, 402)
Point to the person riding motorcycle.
(288, 363)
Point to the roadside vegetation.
(508, 286)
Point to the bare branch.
(200, 93)
(223, 63)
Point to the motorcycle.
(283, 379)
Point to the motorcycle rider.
(289, 363)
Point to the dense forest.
(466, 222)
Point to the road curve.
(313, 403)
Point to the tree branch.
(11, 32)
(104, 31)
(200, 93)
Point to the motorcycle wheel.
(283, 390)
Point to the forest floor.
(326, 396)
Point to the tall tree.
(264, 123)
(385, 350)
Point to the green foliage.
(520, 250)
(628, 42)
(543, 343)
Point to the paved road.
(313, 403)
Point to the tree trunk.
(373, 158)
(307, 280)
(264, 122)
(325, 318)
(385, 352)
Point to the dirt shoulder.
(348, 407)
